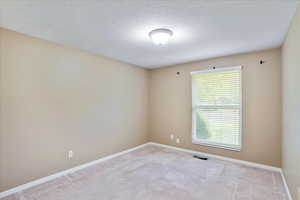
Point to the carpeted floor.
(158, 173)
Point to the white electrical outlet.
(177, 140)
(70, 154)
(172, 137)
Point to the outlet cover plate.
(172, 137)
(70, 154)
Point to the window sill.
(199, 142)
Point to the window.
(217, 107)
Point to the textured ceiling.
(119, 28)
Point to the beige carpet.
(161, 174)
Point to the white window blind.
(217, 107)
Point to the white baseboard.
(68, 171)
(251, 164)
(65, 172)
(286, 186)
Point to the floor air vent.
(200, 157)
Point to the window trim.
(215, 144)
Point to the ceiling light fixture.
(160, 36)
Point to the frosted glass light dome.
(160, 36)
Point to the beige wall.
(55, 98)
(291, 106)
(170, 106)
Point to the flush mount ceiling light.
(160, 36)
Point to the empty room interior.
(149, 100)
